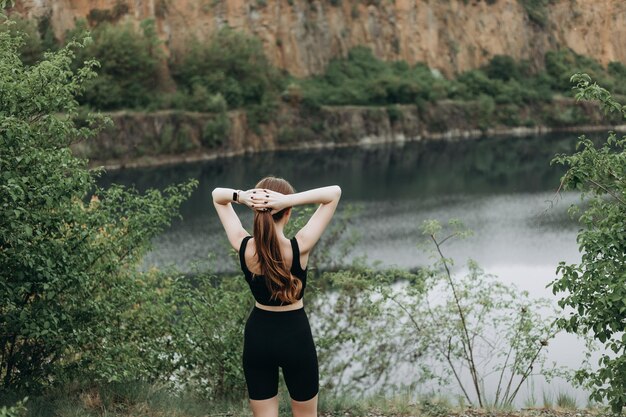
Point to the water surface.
(502, 188)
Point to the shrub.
(70, 285)
(361, 78)
(97, 16)
(536, 10)
(30, 46)
(293, 135)
(231, 63)
(595, 288)
(216, 130)
(48, 40)
(563, 62)
(394, 114)
(128, 71)
(502, 67)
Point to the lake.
(503, 188)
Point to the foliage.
(30, 48)
(357, 347)
(234, 65)
(563, 62)
(595, 288)
(512, 331)
(361, 78)
(480, 324)
(185, 333)
(49, 41)
(129, 64)
(503, 67)
(335, 244)
(67, 266)
(537, 10)
(97, 16)
(216, 130)
(16, 410)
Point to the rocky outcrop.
(141, 139)
(303, 35)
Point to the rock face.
(168, 136)
(301, 36)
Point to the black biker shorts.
(274, 339)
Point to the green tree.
(234, 65)
(68, 249)
(595, 288)
(503, 67)
(129, 64)
(31, 48)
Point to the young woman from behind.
(277, 332)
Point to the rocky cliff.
(301, 36)
(142, 139)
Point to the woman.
(277, 332)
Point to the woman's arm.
(222, 199)
(327, 197)
(323, 195)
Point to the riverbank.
(139, 139)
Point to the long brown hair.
(278, 278)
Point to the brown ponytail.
(278, 278)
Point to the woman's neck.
(279, 229)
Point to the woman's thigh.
(300, 366)
(260, 366)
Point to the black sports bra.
(257, 283)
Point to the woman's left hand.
(263, 200)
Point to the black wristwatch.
(236, 196)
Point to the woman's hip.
(277, 325)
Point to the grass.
(565, 400)
(134, 400)
(547, 400)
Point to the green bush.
(30, 45)
(563, 62)
(49, 42)
(508, 115)
(232, 64)
(501, 87)
(128, 74)
(216, 130)
(97, 16)
(16, 410)
(164, 141)
(363, 79)
(394, 114)
(594, 289)
(485, 110)
(203, 101)
(294, 135)
(503, 67)
(537, 10)
(71, 292)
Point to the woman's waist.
(298, 305)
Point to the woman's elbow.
(215, 194)
(337, 192)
